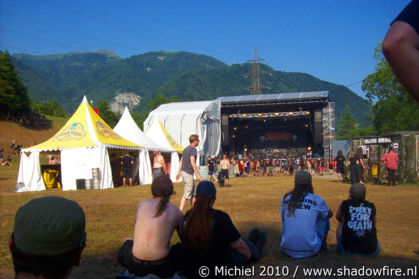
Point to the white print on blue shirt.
(360, 221)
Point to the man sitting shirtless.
(155, 222)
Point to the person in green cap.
(48, 238)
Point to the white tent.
(128, 129)
(182, 119)
(83, 142)
(161, 136)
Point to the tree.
(49, 107)
(13, 94)
(394, 110)
(347, 125)
(107, 114)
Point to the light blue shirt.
(300, 231)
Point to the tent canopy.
(162, 137)
(83, 142)
(181, 119)
(128, 129)
(84, 129)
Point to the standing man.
(159, 165)
(390, 159)
(127, 163)
(211, 168)
(187, 169)
(225, 169)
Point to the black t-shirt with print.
(359, 234)
(340, 160)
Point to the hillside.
(235, 80)
(27, 137)
(103, 75)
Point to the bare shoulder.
(174, 210)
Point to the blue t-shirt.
(299, 231)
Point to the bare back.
(152, 234)
(225, 164)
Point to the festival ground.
(251, 202)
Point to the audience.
(211, 239)
(356, 233)
(305, 219)
(156, 220)
(48, 238)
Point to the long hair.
(297, 196)
(340, 154)
(198, 223)
(162, 187)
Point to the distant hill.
(235, 80)
(189, 76)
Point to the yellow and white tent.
(161, 136)
(83, 143)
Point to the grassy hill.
(27, 137)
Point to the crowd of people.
(208, 237)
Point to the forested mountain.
(103, 75)
(236, 79)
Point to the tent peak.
(84, 99)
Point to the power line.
(57, 27)
(42, 39)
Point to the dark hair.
(198, 223)
(162, 187)
(340, 154)
(297, 196)
(390, 148)
(51, 266)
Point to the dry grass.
(251, 202)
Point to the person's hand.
(200, 178)
(177, 176)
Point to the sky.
(331, 40)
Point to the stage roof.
(278, 97)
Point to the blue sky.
(331, 40)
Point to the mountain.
(235, 80)
(139, 74)
(61, 69)
(189, 76)
(39, 88)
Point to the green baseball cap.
(49, 226)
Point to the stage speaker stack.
(318, 126)
(225, 135)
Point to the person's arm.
(180, 168)
(339, 215)
(179, 224)
(163, 163)
(401, 49)
(241, 247)
(193, 164)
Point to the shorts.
(164, 267)
(210, 172)
(189, 185)
(127, 172)
(224, 173)
(157, 172)
(339, 169)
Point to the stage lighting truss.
(287, 114)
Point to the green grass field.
(251, 202)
